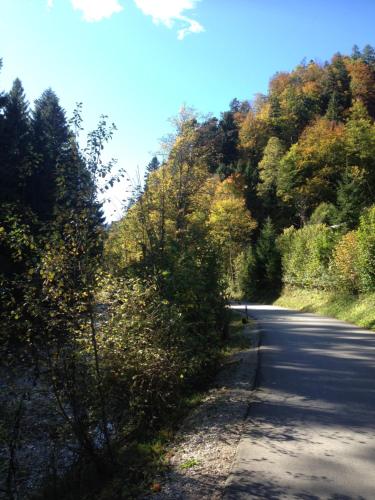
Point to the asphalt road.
(310, 430)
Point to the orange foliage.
(279, 82)
(362, 83)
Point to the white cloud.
(95, 10)
(167, 12)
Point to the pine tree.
(234, 105)
(230, 138)
(357, 186)
(153, 165)
(356, 53)
(268, 261)
(50, 134)
(337, 88)
(368, 56)
(15, 146)
(351, 197)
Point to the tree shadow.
(312, 414)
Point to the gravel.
(203, 451)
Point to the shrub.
(244, 270)
(306, 255)
(345, 269)
(325, 213)
(366, 250)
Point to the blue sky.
(138, 61)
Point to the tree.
(356, 188)
(230, 223)
(269, 167)
(50, 133)
(362, 83)
(368, 55)
(311, 169)
(209, 144)
(268, 263)
(234, 105)
(351, 196)
(253, 137)
(337, 89)
(356, 53)
(325, 213)
(229, 129)
(153, 165)
(17, 243)
(15, 147)
(366, 250)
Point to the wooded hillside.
(104, 331)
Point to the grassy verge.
(359, 310)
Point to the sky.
(139, 61)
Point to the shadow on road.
(311, 425)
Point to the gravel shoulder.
(202, 454)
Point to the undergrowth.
(357, 309)
(140, 462)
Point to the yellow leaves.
(319, 136)
(230, 222)
(279, 82)
(253, 133)
(345, 260)
(311, 88)
(362, 82)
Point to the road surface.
(311, 427)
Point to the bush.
(244, 270)
(306, 255)
(345, 268)
(325, 213)
(366, 250)
(149, 354)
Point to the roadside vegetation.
(356, 309)
(107, 330)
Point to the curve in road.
(310, 432)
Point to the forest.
(106, 328)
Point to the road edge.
(254, 385)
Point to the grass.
(188, 464)
(359, 310)
(236, 340)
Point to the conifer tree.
(337, 88)
(153, 165)
(50, 133)
(230, 138)
(351, 197)
(267, 259)
(356, 53)
(15, 151)
(368, 56)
